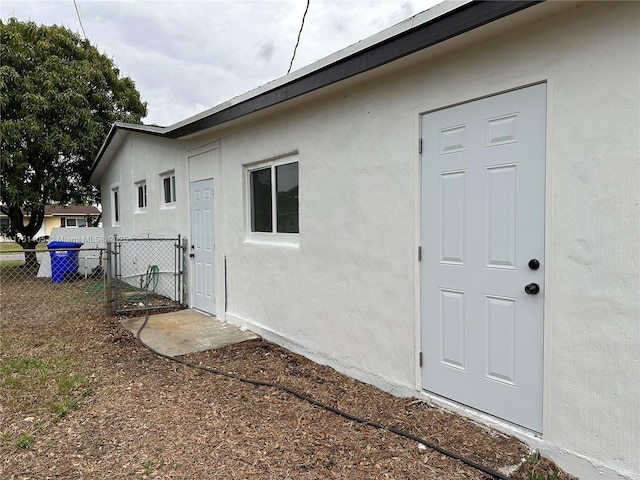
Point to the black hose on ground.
(317, 403)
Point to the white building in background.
(447, 209)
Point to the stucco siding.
(346, 294)
(346, 268)
(346, 291)
(146, 158)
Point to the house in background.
(447, 209)
(59, 216)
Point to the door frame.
(196, 171)
(440, 101)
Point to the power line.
(79, 19)
(299, 33)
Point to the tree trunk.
(30, 259)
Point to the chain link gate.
(145, 274)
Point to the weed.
(87, 393)
(149, 465)
(65, 407)
(244, 398)
(533, 458)
(536, 471)
(24, 441)
(66, 385)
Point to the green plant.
(535, 469)
(87, 393)
(24, 441)
(65, 407)
(68, 384)
(149, 465)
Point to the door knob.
(534, 264)
(532, 289)
(192, 255)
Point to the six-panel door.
(202, 248)
(483, 167)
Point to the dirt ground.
(129, 414)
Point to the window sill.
(281, 239)
(168, 206)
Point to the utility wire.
(258, 383)
(79, 19)
(299, 34)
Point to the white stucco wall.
(146, 157)
(346, 295)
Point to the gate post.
(108, 282)
(183, 271)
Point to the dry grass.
(132, 415)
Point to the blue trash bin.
(63, 262)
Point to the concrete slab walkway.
(186, 331)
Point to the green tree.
(58, 98)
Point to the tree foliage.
(58, 98)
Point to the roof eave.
(115, 128)
(414, 38)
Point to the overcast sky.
(188, 56)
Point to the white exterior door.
(482, 234)
(202, 248)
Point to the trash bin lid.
(57, 244)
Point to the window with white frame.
(115, 206)
(273, 192)
(169, 188)
(141, 196)
(74, 222)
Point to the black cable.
(317, 403)
(79, 19)
(299, 34)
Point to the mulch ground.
(149, 417)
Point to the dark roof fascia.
(463, 19)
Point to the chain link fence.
(145, 274)
(127, 278)
(64, 282)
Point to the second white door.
(202, 246)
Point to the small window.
(169, 188)
(74, 222)
(141, 188)
(274, 197)
(115, 203)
